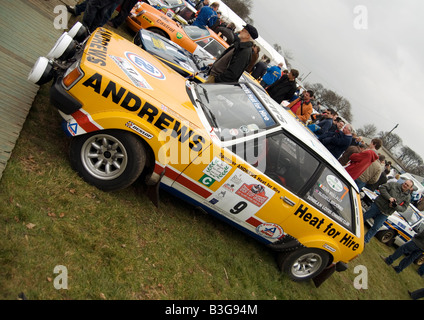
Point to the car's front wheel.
(110, 159)
(386, 236)
(303, 264)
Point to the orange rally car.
(144, 16)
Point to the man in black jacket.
(234, 60)
(284, 88)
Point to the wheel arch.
(160, 31)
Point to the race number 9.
(239, 207)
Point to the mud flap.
(153, 188)
(327, 272)
(324, 275)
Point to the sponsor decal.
(72, 128)
(329, 248)
(334, 183)
(266, 117)
(145, 65)
(97, 50)
(147, 19)
(270, 230)
(179, 35)
(206, 180)
(131, 72)
(137, 129)
(254, 193)
(164, 24)
(332, 230)
(217, 169)
(241, 197)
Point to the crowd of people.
(364, 164)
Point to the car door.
(252, 182)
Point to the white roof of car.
(292, 125)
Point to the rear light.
(72, 75)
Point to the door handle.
(288, 201)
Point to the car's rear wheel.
(303, 264)
(109, 160)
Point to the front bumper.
(61, 98)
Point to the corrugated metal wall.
(26, 32)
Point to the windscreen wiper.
(208, 111)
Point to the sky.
(370, 52)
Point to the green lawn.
(120, 246)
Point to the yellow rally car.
(226, 148)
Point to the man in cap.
(234, 60)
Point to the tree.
(241, 8)
(410, 159)
(390, 140)
(331, 99)
(369, 130)
(288, 56)
(277, 48)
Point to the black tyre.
(386, 236)
(110, 159)
(420, 260)
(303, 264)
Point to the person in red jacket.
(359, 162)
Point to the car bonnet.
(115, 57)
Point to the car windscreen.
(233, 110)
(157, 45)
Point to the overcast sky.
(370, 52)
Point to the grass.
(119, 246)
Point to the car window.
(288, 163)
(410, 216)
(168, 3)
(212, 46)
(280, 158)
(234, 110)
(332, 196)
(195, 33)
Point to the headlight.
(64, 48)
(42, 72)
(78, 32)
